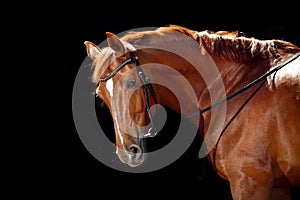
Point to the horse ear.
(92, 49)
(115, 43)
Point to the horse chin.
(134, 164)
(131, 159)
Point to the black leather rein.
(147, 85)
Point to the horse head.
(128, 93)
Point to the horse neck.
(234, 75)
(182, 80)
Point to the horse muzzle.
(132, 156)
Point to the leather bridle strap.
(115, 71)
(146, 85)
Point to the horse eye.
(131, 83)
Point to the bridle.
(147, 85)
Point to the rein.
(245, 87)
(148, 86)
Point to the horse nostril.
(135, 149)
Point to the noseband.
(146, 85)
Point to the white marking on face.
(110, 86)
(118, 131)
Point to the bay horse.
(257, 88)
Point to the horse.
(241, 93)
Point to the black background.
(83, 175)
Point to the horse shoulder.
(285, 89)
